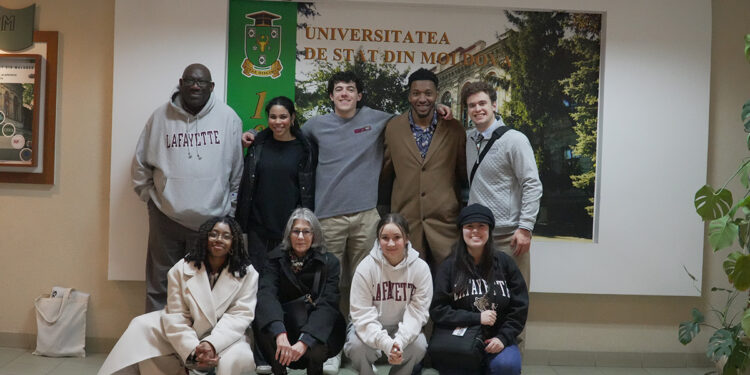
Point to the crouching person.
(211, 296)
(480, 303)
(298, 315)
(390, 299)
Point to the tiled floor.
(21, 362)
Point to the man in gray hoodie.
(187, 167)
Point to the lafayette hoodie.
(390, 298)
(190, 166)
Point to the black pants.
(313, 359)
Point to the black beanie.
(476, 213)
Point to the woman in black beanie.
(478, 286)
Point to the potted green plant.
(728, 221)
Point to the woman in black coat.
(278, 176)
(289, 280)
(479, 287)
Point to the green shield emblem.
(16, 28)
(262, 45)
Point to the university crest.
(16, 28)
(262, 46)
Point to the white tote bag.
(61, 323)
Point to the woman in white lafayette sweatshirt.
(390, 299)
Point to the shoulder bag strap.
(58, 313)
(495, 136)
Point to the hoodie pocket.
(191, 196)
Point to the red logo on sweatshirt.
(388, 290)
(364, 129)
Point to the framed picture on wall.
(20, 81)
(28, 102)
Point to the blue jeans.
(507, 362)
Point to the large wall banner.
(544, 64)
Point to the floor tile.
(20, 368)
(672, 371)
(72, 368)
(96, 359)
(537, 370)
(29, 364)
(623, 371)
(9, 354)
(576, 370)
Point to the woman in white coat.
(211, 298)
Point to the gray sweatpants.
(363, 356)
(168, 242)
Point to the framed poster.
(19, 110)
(34, 164)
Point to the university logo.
(16, 28)
(262, 46)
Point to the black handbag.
(297, 310)
(465, 352)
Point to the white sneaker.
(263, 369)
(331, 365)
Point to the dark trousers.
(168, 242)
(313, 359)
(258, 247)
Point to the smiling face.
(392, 243)
(345, 97)
(195, 87)
(422, 97)
(301, 237)
(280, 122)
(481, 110)
(219, 241)
(476, 236)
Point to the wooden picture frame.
(43, 169)
(20, 80)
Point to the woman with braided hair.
(211, 298)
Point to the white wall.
(653, 135)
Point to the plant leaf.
(743, 227)
(740, 276)
(746, 321)
(730, 263)
(747, 47)
(744, 168)
(737, 361)
(688, 330)
(720, 344)
(712, 205)
(745, 116)
(721, 233)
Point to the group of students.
(270, 266)
(215, 294)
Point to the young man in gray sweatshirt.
(506, 180)
(350, 155)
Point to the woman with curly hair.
(211, 298)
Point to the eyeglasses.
(305, 232)
(223, 236)
(190, 82)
